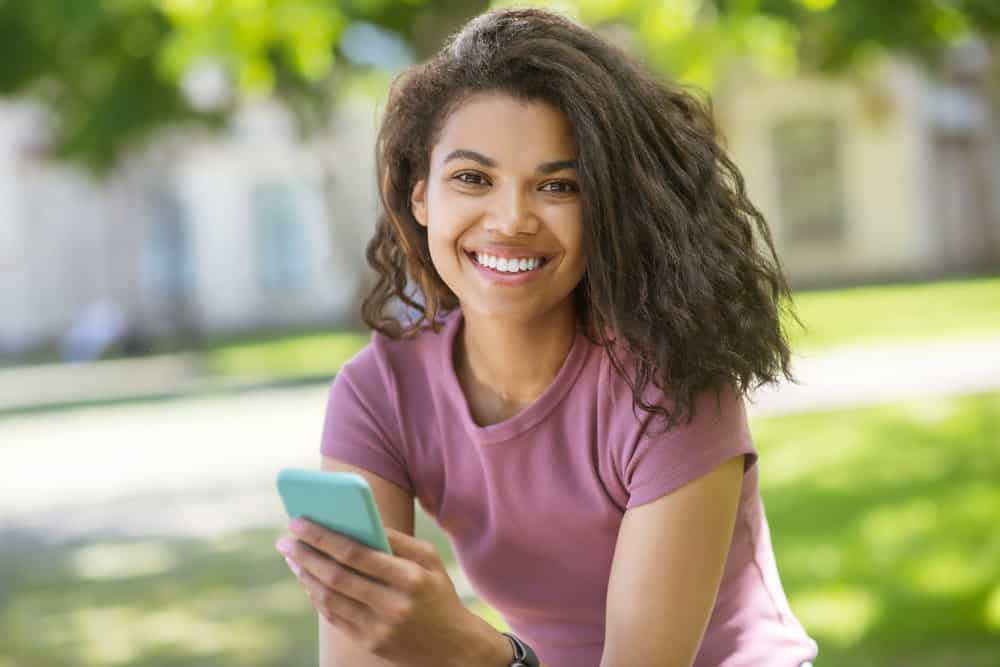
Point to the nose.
(512, 213)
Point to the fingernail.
(298, 526)
(295, 568)
(284, 546)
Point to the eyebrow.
(544, 168)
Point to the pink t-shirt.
(533, 504)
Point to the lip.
(502, 278)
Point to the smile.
(507, 264)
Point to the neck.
(514, 361)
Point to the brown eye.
(471, 178)
(562, 187)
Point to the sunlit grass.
(314, 354)
(895, 313)
(107, 561)
(883, 519)
(836, 613)
(895, 527)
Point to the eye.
(471, 178)
(561, 187)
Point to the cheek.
(571, 234)
(445, 212)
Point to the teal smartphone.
(339, 501)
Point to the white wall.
(215, 181)
(52, 233)
(883, 162)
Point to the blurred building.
(890, 175)
(206, 234)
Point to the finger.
(419, 551)
(342, 579)
(397, 572)
(341, 611)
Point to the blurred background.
(186, 190)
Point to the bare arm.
(667, 568)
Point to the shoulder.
(718, 412)
(379, 365)
(652, 461)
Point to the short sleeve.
(656, 463)
(360, 426)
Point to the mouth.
(507, 265)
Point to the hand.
(403, 607)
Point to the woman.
(569, 404)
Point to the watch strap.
(523, 655)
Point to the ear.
(418, 201)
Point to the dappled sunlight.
(285, 596)
(840, 614)
(794, 454)
(117, 635)
(884, 526)
(32, 614)
(890, 533)
(222, 602)
(816, 562)
(931, 413)
(230, 543)
(993, 610)
(121, 560)
(946, 571)
(104, 636)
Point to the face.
(502, 208)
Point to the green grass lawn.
(314, 354)
(884, 522)
(949, 309)
(926, 311)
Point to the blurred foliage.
(113, 71)
(882, 519)
(694, 40)
(94, 65)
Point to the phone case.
(339, 501)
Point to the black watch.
(523, 655)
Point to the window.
(807, 155)
(168, 265)
(281, 247)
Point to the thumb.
(409, 547)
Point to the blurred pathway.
(205, 464)
(864, 375)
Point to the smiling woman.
(569, 405)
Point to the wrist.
(488, 646)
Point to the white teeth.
(508, 265)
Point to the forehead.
(510, 130)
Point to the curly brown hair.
(674, 278)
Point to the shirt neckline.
(527, 418)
